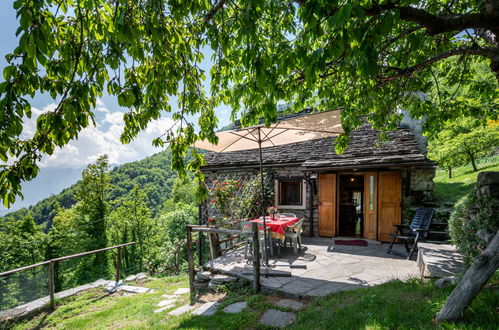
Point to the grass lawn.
(394, 305)
(463, 179)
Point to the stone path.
(275, 318)
(236, 307)
(170, 300)
(181, 310)
(207, 309)
(323, 268)
(289, 303)
(439, 260)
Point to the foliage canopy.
(366, 57)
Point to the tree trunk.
(472, 158)
(472, 282)
(450, 171)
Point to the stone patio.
(322, 268)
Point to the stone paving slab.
(439, 260)
(275, 318)
(290, 303)
(207, 309)
(166, 302)
(164, 308)
(322, 268)
(181, 310)
(169, 296)
(180, 291)
(236, 307)
(133, 289)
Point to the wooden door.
(327, 205)
(370, 205)
(389, 202)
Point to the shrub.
(469, 216)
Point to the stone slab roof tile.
(364, 149)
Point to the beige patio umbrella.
(296, 129)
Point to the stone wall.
(417, 194)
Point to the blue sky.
(93, 141)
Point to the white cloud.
(94, 141)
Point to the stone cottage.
(360, 193)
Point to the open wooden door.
(389, 203)
(327, 205)
(370, 205)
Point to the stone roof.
(364, 150)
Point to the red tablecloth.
(278, 225)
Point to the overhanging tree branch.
(407, 72)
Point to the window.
(290, 193)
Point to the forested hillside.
(152, 174)
(142, 202)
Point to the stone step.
(181, 310)
(207, 309)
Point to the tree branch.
(407, 72)
(215, 9)
(435, 24)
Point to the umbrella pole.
(266, 259)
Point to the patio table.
(277, 226)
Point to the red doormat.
(354, 242)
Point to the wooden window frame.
(303, 193)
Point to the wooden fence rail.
(234, 233)
(52, 263)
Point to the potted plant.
(272, 211)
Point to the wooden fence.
(51, 265)
(232, 235)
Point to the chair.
(287, 215)
(246, 227)
(417, 231)
(293, 233)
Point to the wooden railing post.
(51, 284)
(256, 258)
(118, 265)
(190, 260)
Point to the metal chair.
(246, 227)
(287, 215)
(293, 233)
(415, 232)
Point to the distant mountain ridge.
(152, 174)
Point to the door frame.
(376, 192)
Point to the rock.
(141, 276)
(212, 285)
(203, 276)
(445, 282)
(131, 278)
(222, 279)
(289, 303)
(275, 318)
(133, 289)
(487, 177)
(207, 309)
(169, 296)
(180, 291)
(164, 308)
(112, 286)
(181, 310)
(167, 302)
(236, 307)
(201, 286)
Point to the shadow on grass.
(43, 321)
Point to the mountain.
(48, 182)
(152, 174)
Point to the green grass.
(463, 180)
(394, 305)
